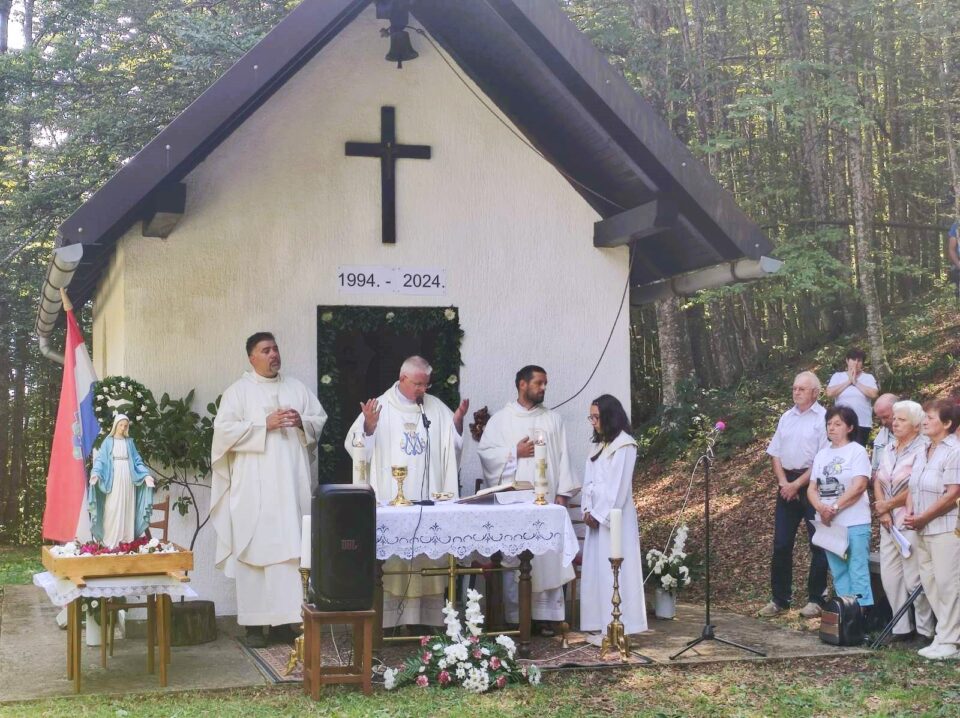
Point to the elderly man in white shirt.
(801, 433)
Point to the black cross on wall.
(389, 152)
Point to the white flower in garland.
(450, 314)
(326, 317)
(452, 379)
(389, 316)
(325, 379)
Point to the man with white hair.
(801, 433)
(883, 410)
(405, 426)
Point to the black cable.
(420, 31)
(524, 140)
(609, 338)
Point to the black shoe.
(255, 637)
(284, 633)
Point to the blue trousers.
(851, 576)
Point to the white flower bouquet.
(463, 657)
(671, 570)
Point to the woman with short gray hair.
(901, 574)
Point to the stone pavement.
(33, 651)
(33, 657)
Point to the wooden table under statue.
(457, 531)
(158, 576)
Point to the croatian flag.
(73, 438)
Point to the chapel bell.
(398, 13)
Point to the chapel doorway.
(359, 353)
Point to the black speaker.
(344, 535)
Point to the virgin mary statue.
(120, 495)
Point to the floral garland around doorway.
(331, 320)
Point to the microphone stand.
(425, 500)
(708, 633)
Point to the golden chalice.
(399, 475)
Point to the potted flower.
(463, 657)
(670, 573)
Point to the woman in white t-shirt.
(838, 493)
(856, 389)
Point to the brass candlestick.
(296, 653)
(399, 475)
(616, 639)
(541, 483)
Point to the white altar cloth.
(462, 529)
(62, 591)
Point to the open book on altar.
(488, 493)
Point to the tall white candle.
(305, 543)
(539, 451)
(616, 533)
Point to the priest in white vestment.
(507, 454)
(264, 437)
(608, 484)
(407, 426)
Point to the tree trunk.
(676, 361)
(5, 25)
(863, 220)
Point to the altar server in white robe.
(607, 485)
(507, 454)
(407, 426)
(264, 438)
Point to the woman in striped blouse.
(932, 513)
(900, 574)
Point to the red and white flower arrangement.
(463, 657)
(141, 545)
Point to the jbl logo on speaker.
(349, 545)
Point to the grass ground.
(923, 344)
(894, 683)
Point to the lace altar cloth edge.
(463, 529)
(62, 591)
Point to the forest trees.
(832, 124)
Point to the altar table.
(460, 530)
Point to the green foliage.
(18, 564)
(404, 320)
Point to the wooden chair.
(111, 606)
(572, 599)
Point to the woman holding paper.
(838, 493)
(611, 519)
(932, 513)
(899, 568)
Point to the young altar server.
(608, 486)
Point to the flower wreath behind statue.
(120, 494)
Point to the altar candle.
(305, 543)
(616, 520)
(358, 459)
(539, 451)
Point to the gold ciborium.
(399, 475)
(540, 484)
